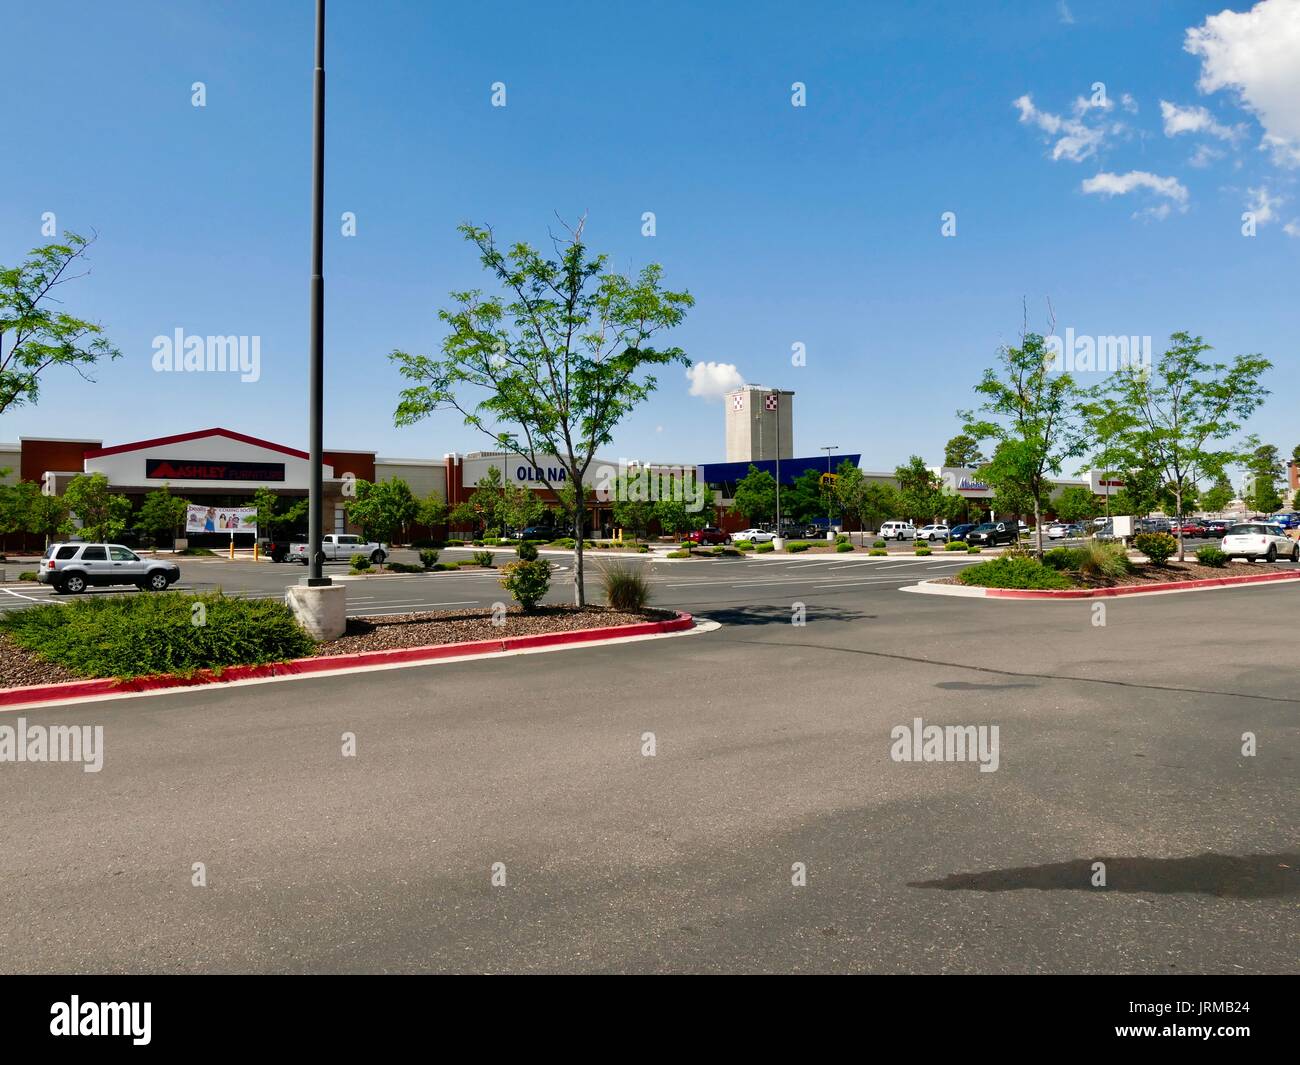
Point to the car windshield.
(1243, 530)
(987, 526)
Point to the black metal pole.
(315, 573)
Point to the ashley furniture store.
(213, 468)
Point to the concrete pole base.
(321, 610)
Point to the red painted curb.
(1134, 589)
(75, 689)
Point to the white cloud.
(1204, 155)
(1064, 13)
(1292, 229)
(1075, 139)
(1253, 55)
(1128, 103)
(1195, 120)
(1106, 184)
(713, 380)
(1261, 204)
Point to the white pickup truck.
(340, 547)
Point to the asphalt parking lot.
(1120, 743)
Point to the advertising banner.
(240, 520)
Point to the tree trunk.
(579, 513)
(1038, 527)
(1178, 506)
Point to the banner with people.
(200, 519)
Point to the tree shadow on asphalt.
(970, 686)
(1229, 876)
(779, 615)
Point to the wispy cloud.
(1074, 139)
(1171, 189)
(1196, 120)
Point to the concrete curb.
(1100, 593)
(80, 689)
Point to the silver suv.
(75, 567)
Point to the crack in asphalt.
(994, 671)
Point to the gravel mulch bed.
(464, 626)
(1145, 573)
(20, 667)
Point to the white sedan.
(932, 532)
(754, 536)
(1251, 540)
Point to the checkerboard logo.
(738, 401)
(771, 401)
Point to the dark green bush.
(1061, 558)
(763, 548)
(877, 551)
(955, 545)
(482, 558)
(527, 581)
(428, 556)
(796, 546)
(626, 587)
(27, 575)
(136, 635)
(1099, 559)
(1013, 571)
(678, 554)
(972, 549)
(924, 551)
(1211, 556)
(527, 552)
(564, 542)
(878, 543)
(360, 562)
(404, 567)
(843, 545)
(1158, 547)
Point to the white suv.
(898, 530)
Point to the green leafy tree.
(521, 506)
(964, 451)
(868, 503)
(920, 491)
(629, 510)
(490, 501)
(465, 516)
(383, 509)
(276, 513)
(103, 515)
(25, 509)
(1263, 470)
(1028, 409)
(562, 355)
(432, 511)
(755, 496)
(161, 513)
(35, 332)
(1076, 503)
(1170, 417)
(1216, 498)
(806, 498)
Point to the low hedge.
(172, 632)
(877, 551)
(1013, 571)
(879, 543)
(744, 545)
(1211, 556)
(795, 546)
(762, 549)
(678, 554)
(955, 545)
(844, 546)
(924, 551)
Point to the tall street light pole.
(315, 573)
(830, 518)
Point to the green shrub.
(527, 552)
(137, 635)
(762, 549)
(843, 546)
(27, 575)
(455, 543)
(954, 545)
(678, 554)
(879, 543)
(404, 567)
(841, 538)
(492, 541)
(626, 587)
(877, 551)
(924, 551)
(528, 582)
(442, 567)
(465, 562)
(1211, 556)
(359, 562)
(725, 552)
(1013, 571)
(482, 558)
(565, 542)
(744, 545)
(795, 546)
(1061, 558)
(972, 549)
(194, 551)
(428, 556)
(1158, 547)
(642, 549)
(1100, 559)
(426, 542)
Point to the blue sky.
(819, 224)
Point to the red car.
(706, 536)
(1191, 527)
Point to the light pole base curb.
(321, 609)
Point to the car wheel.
(73, 584)
(378, 557)
(1271, 555)
(155, 582)
(1295, 553)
